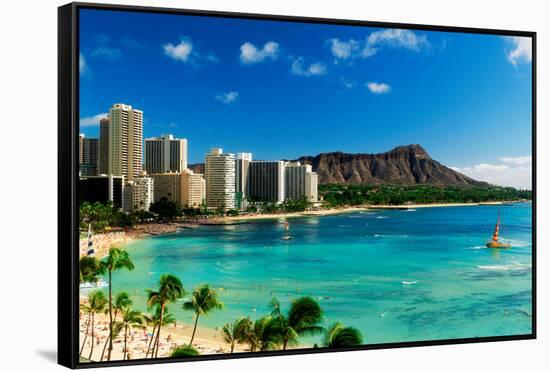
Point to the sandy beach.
(104, 241)
(207, 340)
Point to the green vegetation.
(303, 318)
(170, 289)
(90, 269)
(96, 304)
(236, 332)
(122, 302)
(154, 320)
(116, 260)
(130, 319)
(352, 195)
(184, 351)
(203, 301)
(338, 336)
(289, 205)
(165, 210)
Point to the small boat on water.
(494, 243)
(287, 235)
(94, 285)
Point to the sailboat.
(287, 235)
(494, 243)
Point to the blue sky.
(282, 89)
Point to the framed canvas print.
(241, 185)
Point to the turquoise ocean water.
(396, 275)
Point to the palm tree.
(130, 319)
(203, 301)
(117, 259)
(96, 304)
(338, 336)
(265, 335)
(90, 269)
(236, 332)
(153, 320)
(184, 351)
(170, 289)
(122, 301)
(303, 318)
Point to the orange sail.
(495, 235)
(494, 242)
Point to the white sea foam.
(505, 267)
(519, 243)
(409, 210)
(382, 217)
(408, 283)
(476, 247)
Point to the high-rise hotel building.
(185, 188)
(103, 166)
(165, 154)
(242, 163)
(102, 188)
(125, 141)
(266, 181)
(220, 179)
(138, 193)
(300, 181)
(88, 155)
(193, 189)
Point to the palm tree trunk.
(105, 347)
(151, 341)
(107, 341)
(125, 342)
(158, 333)
(92, 347)
(86, 334)
(110, 316)
(194, 329)
(232, 347)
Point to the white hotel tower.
(220, 179)
(125, 141)
(165, 154)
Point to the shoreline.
(343, 210)
(104, 241)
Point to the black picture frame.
(68, 130)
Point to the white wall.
(28, 276)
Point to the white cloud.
(228, 97)
(180, 52)
(513, 172)
(520, 160)
(395, 38)
(83, 67)
(251, 54)
(299, 68)
(92, 120)
(521, 50)
(107, 52)
(378, 87)
(343, 49)
(398, 38)
(347, 83)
